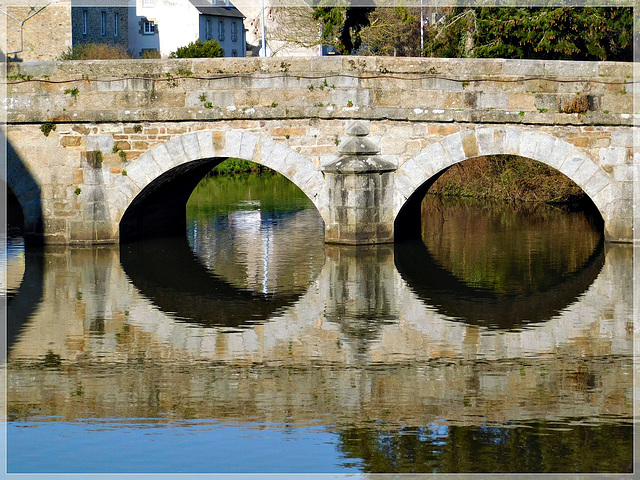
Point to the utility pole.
(263, 50)
(421, 30)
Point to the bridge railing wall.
(416, 89)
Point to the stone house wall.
(45, 36)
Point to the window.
(84, 22)
(208, 29)
(116, 21)
(147, 3)
(234, 53)
(234, 32)
(220, 30)
(103, 23)
(149, 28)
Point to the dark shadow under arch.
(22, 186)
(407, 223)
(159, 210)
(168, 273)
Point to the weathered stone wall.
(440, 90)
(45, 36)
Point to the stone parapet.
(426, 89)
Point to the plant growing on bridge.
(72, 91)
(47, 127)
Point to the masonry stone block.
(561, 151)
(571, 164)
(205, 142)
(103, 143)
(191, 146)
(586, 170)
(233, 143)
(513, 140)
(165, 160)
(596, 183)
(490, 140)
(528, 144)
(623, 173)
(453, 146)
(137, 173)
(613, 156)
(148, 164)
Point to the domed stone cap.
(356, 164)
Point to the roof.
(218, 9)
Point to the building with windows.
(151, 28)
(159, 27)
(100, 25)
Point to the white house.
(159, 27)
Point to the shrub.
(197, 49)
(95, 51)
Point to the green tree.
(341, 26)
(197, 49)
(392, 31)
(562, 33)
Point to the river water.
(500, 342)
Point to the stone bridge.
(108, 151)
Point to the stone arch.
(203, 149)
(426, 166)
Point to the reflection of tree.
(508, 249)
(497, 268)
(540, 447)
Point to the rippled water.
(502, 342)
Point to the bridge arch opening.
(150, 199)
(456, 155)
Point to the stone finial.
(358, 146)
(358, 128)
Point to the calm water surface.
(501, 342)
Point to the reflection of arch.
(416, 175)
(454, 298)
(167, 272)
(186, 158)
(22, 305)
(27, 192)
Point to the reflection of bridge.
(361, 137)
(102, 319)
(317, 322)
